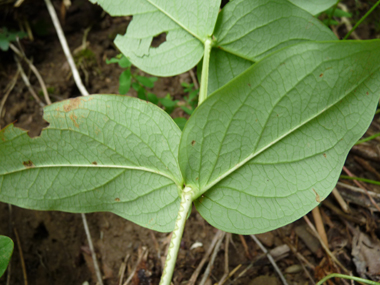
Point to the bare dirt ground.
(54, 245)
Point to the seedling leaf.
(187, 24)
(100, 153)
(145, 81)
(6, 249)
(267, 147)
(125, 81)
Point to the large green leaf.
(267, 147)
(6, 249)
(100, 153)
(314, 6)
(187, 24)
(251, 30)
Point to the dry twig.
(194, 277)
(27, 83)
(123, 266)
(226, 262)
(324, 245)
(362, 187)
(65, 48)
(270, 259)
(21, 257)
(8, 91)
(212, 260)
(347, 22)
(96, 266)
(34, 70)
(144, 249)
(319, 225)
(341, 201)
(246, 249)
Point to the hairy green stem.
(205, 67)
(347, 277)
(361, 20)
(186, 200)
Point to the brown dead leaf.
(366, 253)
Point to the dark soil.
(54, 246)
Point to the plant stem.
(360, 179)
(186, 200)
(368, 139)
(347, 277)
(361, 20)
(205, 67)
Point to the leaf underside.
(247, 31)
(314, 7)
(269, 146)
(186, 23)
(6, 249)
(100, 153)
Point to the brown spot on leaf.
(117, 199)
(72, 104)
(197, 178)
(249, 84)
(28, 164)
(317, 198)
(74, 119)
(320, 75)
(324, 155)
(367, 93)
(193, 143)
(94, 163)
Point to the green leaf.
(181, 122)
(145, 81)
(125, 81)
(6, 250)
(186, 110)
(121, 60)
(338, 13)
(330, 22)
(168, 103)
(99, 153)
(224, 67)
(314, 7)
(269, 146)
(141, 94)
(152, 98)
(124, 62)
(268, 26)
(153, 79)
(187, 24)
(7, 36)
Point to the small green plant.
(7, 36)
(281, 102)
(128, 79)
(6, 249)
(139, 83)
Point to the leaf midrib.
(256, 153)
(176, 21)
(91, 166)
